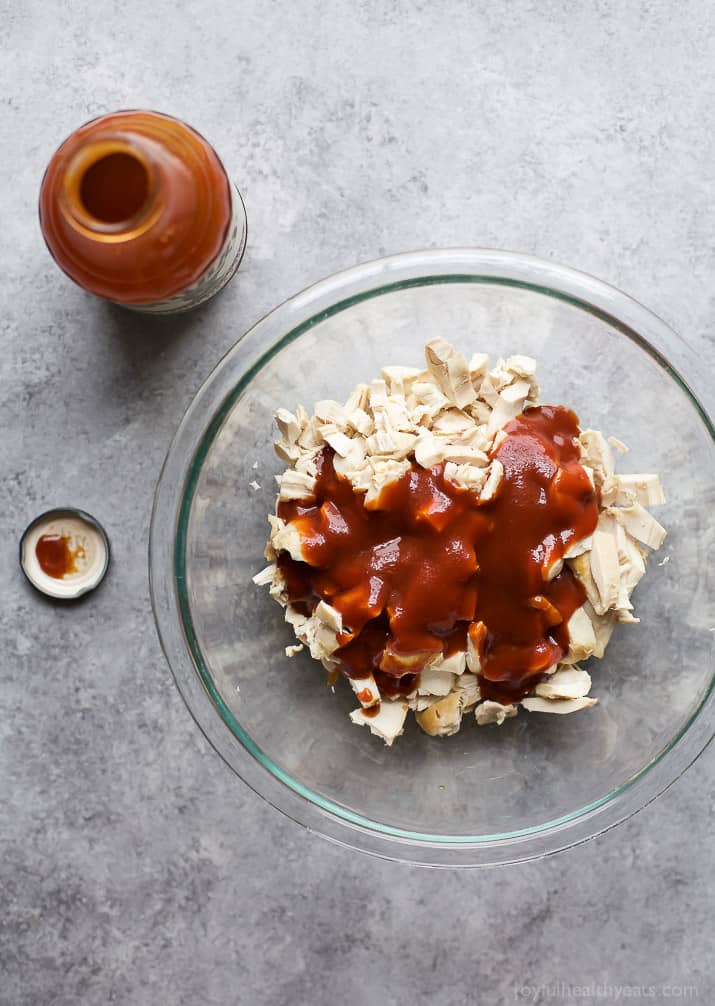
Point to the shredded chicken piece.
(389, 722)
(541, 705)
(567, 683)
(493, 712)
(450, 371)
(443, 718)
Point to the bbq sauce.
(55, 556)
(412, 571)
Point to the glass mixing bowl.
(492, 794)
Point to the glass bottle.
(137, 208)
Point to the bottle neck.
(110, 190)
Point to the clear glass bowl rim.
(169, 523)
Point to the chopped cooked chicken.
(466, 476)
(428, 450)
(643, 489)
(265, 577)
(278, 590)
(286, 538)
(426, 401)
(321, 640)
(453, 421)
(540, 705)
(329, 616)
(506, 408)
(597, 454)
(604, 563)
(420, 702)
(521, 366)
(603, 626)
(468, 687)
(456, 663)
(331, 412)
(443, 718)
(641, 525)
(361, 421)
(581, 568)
(289, 425)
(295, 485)
(579, 547)
(388, 723)
(491, 486)
(341, 444)
(464, 454)
(398, 377)
(295, 618)
(377, 394)
(478, 365)
(450, 419)
(493, 712)
(582, 638)
(384, 473)
(567, 683)
(450, 371)
(366, 691)
(357, 399)
(551, 572)
(435, 681)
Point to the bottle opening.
(115, 188)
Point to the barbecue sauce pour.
(410, 574)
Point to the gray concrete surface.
(134, 868)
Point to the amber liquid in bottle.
(137, 208)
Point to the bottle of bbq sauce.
(137, 208)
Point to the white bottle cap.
(64, 553)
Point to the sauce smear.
(427, 560)
(55, 556)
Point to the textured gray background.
(134, 868)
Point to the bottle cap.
(64, 553)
